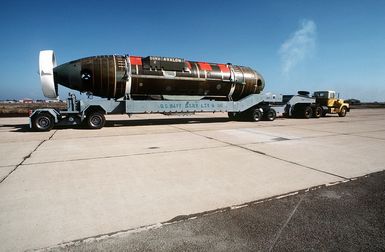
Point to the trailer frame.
(91, 112)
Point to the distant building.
(26, 100)
(53, 101)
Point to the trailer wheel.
(270, 115)
(317, 112)
(307, 112)
(255, 115)
(42, 122)
(95, 120)
(342, 113)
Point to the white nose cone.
(47, 62)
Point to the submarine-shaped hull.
(152, 77)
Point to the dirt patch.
(22, 109)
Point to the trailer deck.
(91, 112)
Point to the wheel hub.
(43, 122)
(96, 121)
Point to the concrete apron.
(71, 184)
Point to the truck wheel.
(42, 122)
(95, 120)
(307, 112)
(270, 115)
(317, 112)
(342, 113)
(255, 115)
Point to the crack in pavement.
(26, 157)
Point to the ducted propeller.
(47, 62)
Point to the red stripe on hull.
(136, 60)
(205, 66)
(224, 68)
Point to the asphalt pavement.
(347, 216)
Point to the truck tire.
(317, 113)
(342, 112)
(255, 115)
(95, 120)
(270, 115)
(307, 112)
(42, 122)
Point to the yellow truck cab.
(330, 104)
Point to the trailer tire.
(95, 120)
(343, 111)
(255, 115)
(317, 113)
(270, 115)
(42, 122)
(307, 112)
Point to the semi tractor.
(134, 85)
(331, 104)
(319, 104)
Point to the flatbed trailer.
(90, 112)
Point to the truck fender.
(55, 114)
(92, 108)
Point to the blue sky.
(295, 45)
